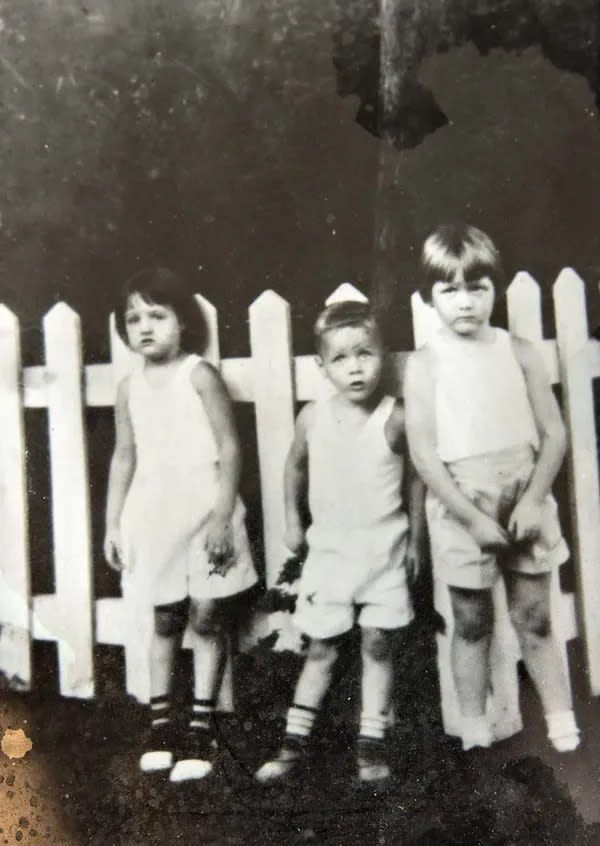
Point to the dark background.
(247, 145)
(214, 137)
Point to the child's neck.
(358, 409)
(486, 334)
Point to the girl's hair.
(161, 286)
(341, 314)
(456, 245)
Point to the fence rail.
(273, 379)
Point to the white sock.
(562, 730)
(300, 721)
(476, 732)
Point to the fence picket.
(578, 361)
(525, 321)
(68, 612)
(15, 592)
(268, 379)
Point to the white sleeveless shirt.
(481, 400)
(354, 479)
(173, 437)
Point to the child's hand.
(525, 522)
(295, 539)
(112, 550)
(219, 544)
(488, 533)
(413, 560)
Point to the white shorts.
(354, 574)
(494, 483)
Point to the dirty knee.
(376, 644)
(204, 618)
(322, 650)
(169, 620)
(532, 620)
(473, 630)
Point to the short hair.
(341, 314)
(457, 245)
(161, 286)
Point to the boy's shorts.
(494, 483)
(354, 574)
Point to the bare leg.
(473, 619)
(470, 648)
(311, 688)
(208, 645)
(529, 604)
(377, 678)
(313, 682)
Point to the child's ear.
(319, 362)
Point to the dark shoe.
(159, 749)
(373, 768)
(290, 761)
(196, 757)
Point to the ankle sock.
(197, 754)
(160, 711)
(562, 730)
(299, 724)
(476, 731)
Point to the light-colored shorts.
(355, 574)
(494, 483)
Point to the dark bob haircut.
(454, 246)
(161, 286)
(341, 314)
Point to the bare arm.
(295, 482)
(525, 519)
(121, 471)
(217, 403)
(219, 533)
(413, 493)
(420, 429)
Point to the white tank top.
(173, 436)
(481, 401)
(355, 481)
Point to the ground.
(80, 783)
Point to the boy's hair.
(458, 245)
(341, 314)
(161, 286)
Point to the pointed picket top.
(267, 301)
(345, 292)
(212, 351)
(61, 314)
(571, 312)
(524, 307)
(424, 318)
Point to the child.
(486, 435)
(174, 520)
(349, 453)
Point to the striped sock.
(201, 718)
(300, 722)
(373, 726)
(160, 711)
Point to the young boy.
(486, 435)
(349, 453)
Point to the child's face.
(464, 305)
(352, 358)
(152, 329)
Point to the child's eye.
(158, 315)
(131, 318)
(365, 353)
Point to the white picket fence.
(273, 379)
